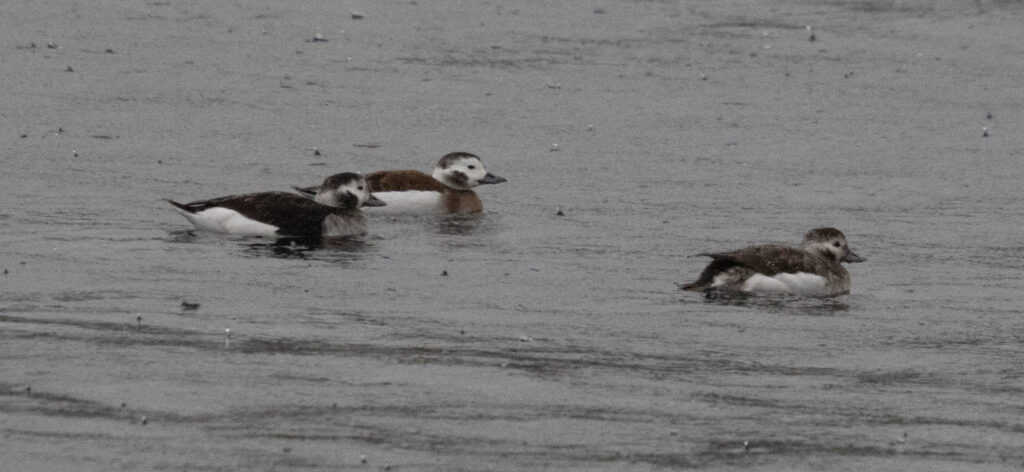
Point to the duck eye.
(359, 187)
(471, 167)
(837, 244)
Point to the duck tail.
(179, 206)
(698, 286)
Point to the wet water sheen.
(519, 339)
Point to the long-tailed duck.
(332, 212)
(812, 269)
(449, 190)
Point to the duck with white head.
(448, 190)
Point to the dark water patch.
(61, 435)
(18, 398)
(464, 225)
(1000, 257)
(738, 400)
(336, 250)
(128, 334)
(292, 461)
(474, 61)
(23, 297)
(23, 309)
(829, 415)
(462, 445)
(181, 236)
(754, 24)
(894, 377)
(329, 318)
(80, 296)
(105, 326)
(301, 437)
(884, 6)
(300, 378)
(245, 417)
(539, 360)
(772, 303)
(202, 341)
(313, 347)
(743, 451)
(584, 412)
(107, 237)
(445, 225)
(667, 36)
(49, 309)
(350, 422)
(1007, 426)
(944, 340)
(398, 437)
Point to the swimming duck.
(332, 212)
(812, 269)
(448, 190)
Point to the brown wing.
(771, 260)
(399, 180)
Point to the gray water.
(661, 129)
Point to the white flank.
(223, 220)
(408, 201)
(799, 283)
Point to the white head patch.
(352, 192)
(462, 172)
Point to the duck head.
(462, 170)
(346, 190)
(829, 243)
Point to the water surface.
(519, 339)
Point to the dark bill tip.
(492, 179)
(374, 202)
(851, 257)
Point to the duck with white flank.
(812, 269)
(449, 190)
(333, 211)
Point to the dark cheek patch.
(459, 178)
(347, 200)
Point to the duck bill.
(373, 201)
(492, 179)
(851, 257)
